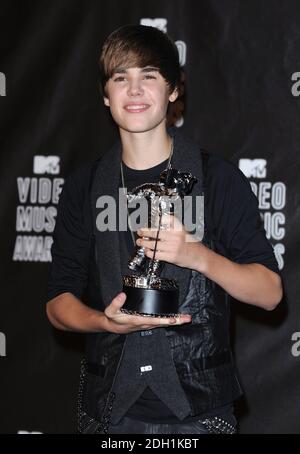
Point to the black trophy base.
(152, 302)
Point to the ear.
(174, 95)
(106, 101)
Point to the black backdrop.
(241, 101)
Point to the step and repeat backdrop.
(239, 98)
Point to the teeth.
(142, 106)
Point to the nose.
(135, 88)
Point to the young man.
(190, 382)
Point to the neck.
(143, 150)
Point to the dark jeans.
(221, 424)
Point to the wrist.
(98, 321)
(201, 259)
(104, 323)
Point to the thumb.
(119, 300)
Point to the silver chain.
(123, 186)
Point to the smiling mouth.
(136, 108)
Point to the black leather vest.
(198, 353)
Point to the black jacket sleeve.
(233, 216)
(72, 238)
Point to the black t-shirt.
(231, 214)
(149, 407)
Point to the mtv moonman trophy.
(147, 293)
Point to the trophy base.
(156, 298)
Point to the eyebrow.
(148, 69)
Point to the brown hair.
(140, 46)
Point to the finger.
(166, 226)
(152, 322)
(150, 244)
(179, 319)
(166, 321)
(183, 318)
(117, 302)
(155, 322)
(152, 234)
(148, 233)
(159, 255)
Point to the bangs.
(125, 58)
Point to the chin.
(139, 128)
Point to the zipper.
(106, 416)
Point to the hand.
(175, 245)
(119, 323)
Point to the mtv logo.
(158, 22)
(181, 47)
(46, 164)
(255, 168)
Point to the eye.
(150, 76)
(119, 79)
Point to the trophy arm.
(138, 260)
